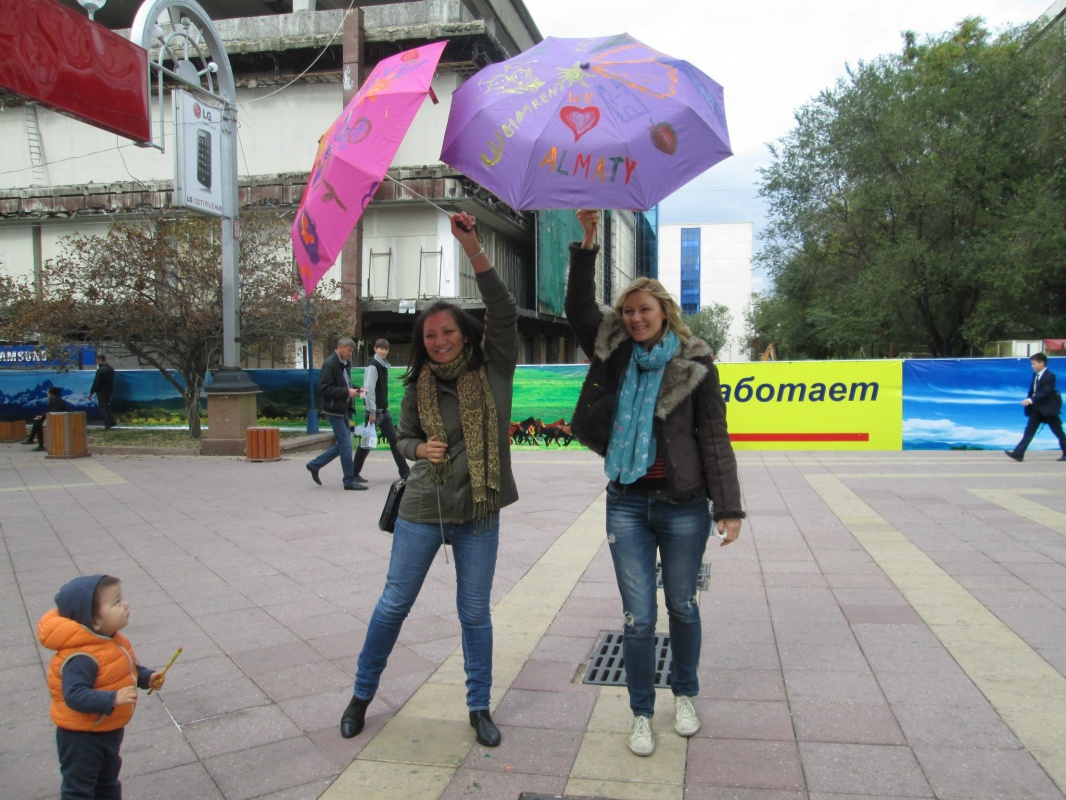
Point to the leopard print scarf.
(477, 415)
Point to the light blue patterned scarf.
(632, 445)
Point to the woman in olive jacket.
(454, 424)
(652, 405)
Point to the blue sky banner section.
(23, 393)
(973, 403)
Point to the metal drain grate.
(703, 579)
(606, 666)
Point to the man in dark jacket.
(1042, 405)
(103, 385)
(335, 385)
(376, 398)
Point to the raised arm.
(464, 228)
(501, 311)
(582, 311)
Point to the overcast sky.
(771, 57)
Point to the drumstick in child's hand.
(169, 663)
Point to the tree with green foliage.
(154, 289)
(711, 323)
(14, 294)
(921, 203)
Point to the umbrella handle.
(441, 210)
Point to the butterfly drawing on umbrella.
(318, 179)
(519, 80)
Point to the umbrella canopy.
(586, 123)
(354, 155)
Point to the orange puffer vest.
(114, 658)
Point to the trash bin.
(66, 435)
(12, 430)
(263, 444)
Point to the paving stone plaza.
(889, 625)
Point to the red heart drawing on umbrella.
(580, 120)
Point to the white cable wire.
(321, 53)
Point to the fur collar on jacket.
(683, 374)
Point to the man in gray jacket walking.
(335, 386)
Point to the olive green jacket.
(424, 501)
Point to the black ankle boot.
(354, 717)
(488, 735)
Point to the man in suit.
(335, 386)
(103, 387)
(1042, 405)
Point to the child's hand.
(126, 695)
(155, 683)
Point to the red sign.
(63, 60)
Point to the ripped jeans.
(637, 527)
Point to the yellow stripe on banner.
(1027, 692)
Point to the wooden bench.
(263, 444)
(66, 435)
(12, 430)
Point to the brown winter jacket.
(690, 415)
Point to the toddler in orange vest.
(93, 679)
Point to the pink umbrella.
(354, 155)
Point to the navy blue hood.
(75, 599)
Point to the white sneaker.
(641, 737)
(686, 723)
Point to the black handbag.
(387, 521)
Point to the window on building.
(690, 270)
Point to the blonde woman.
(652, 406)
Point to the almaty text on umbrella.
(582, 165)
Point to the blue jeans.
(414, 546)
(342, 446)
(638, 526)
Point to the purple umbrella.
(586, 123)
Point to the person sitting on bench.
(55, 403)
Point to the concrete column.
(560, 353)
(352, 255)
(539, 348)
(229, 415)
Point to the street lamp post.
(231, 403)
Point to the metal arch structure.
(231, 378)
